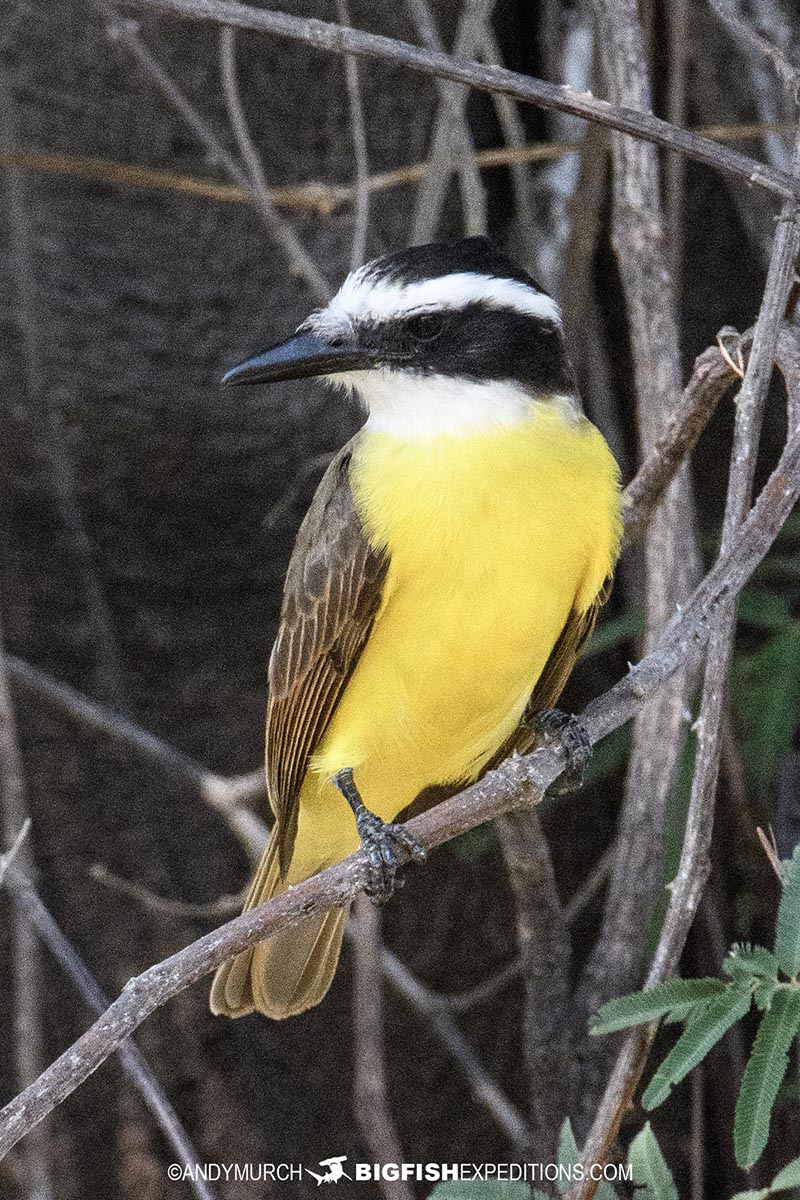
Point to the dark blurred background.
(147, 518)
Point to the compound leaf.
(652, 1177)
(703, 1031)
(787, 935)
(764, 1075)
(676, 1000)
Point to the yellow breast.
(493, 537)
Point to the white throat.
(426, 406)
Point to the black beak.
(303, 355)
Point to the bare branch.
(371, 1099)
(713, 375)
(484, 1089)
(786, 71)
(125, 33)
(335, 39)
(518, 783)
(359, 132)
(323, 198)
(133, 1061)
(544, 942)
(451, 144)
(26, 983)
(282, 233)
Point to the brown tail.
(289, 973)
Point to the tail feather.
(287, 974)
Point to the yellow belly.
(493, 539)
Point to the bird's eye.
(426, 326)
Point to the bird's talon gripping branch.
(381, 841)
(565, 729)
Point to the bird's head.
(437, 338)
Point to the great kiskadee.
(445, 577)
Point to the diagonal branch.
(335, 39)
(124, 33)
(519, 782)
(133, 1062)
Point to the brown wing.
(332, 592)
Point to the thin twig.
(334, 39)
(125, 33)
(226, 796)
(25, 966)
(133, 1061)
(484, 1089)
(7, 859)
(517, 783)
(711, 378)
(451, 145)
(314, 196)
(481, 992)
(371, 1100)
(786, 71)
(221, 906)
(282, 233)
(359, 135)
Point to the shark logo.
(335, 1170)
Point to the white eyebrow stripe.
(367, 297)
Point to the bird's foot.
(565, 730)
(381, 840)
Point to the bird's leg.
(380, 839)
(565, 730)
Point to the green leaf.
(568, 1156)
(789, 1177)
(764, 1075)
(481, 1189)
(676, 1000)
(703, 1031)
(744, 962)
(787, 930)
(652, 1177)
(759, 1195)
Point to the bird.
(443, 582)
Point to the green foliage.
(787, 936)
(651, 1175)
(788, 1177)
(710, 1008)
(764, 1075)
(766, 697)
(568, 1156)
(675, 1000)
(703, 1031)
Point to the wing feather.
(332, 593)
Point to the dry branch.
(371, 1099)
(136, 1067)
(517, 782)
(335, 39)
